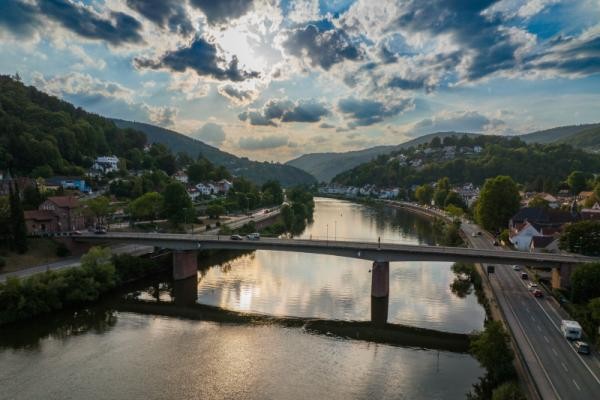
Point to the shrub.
(2, 262)
(62, 250)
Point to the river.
(104, 354)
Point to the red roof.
(40, 215)
(65, 201)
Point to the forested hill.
(41, 135)
(588, 139)
(559, 134)
(538, 166)
(258, 172)
(324, 166)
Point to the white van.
(253, 236)
(571, 329)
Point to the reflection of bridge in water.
(183, 304)
(186, 246)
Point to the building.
(41, 221)
(68, 212)
(223, 186)
(541, 217)
(206, 189)
(106, 164)
(193, 192)
(521, 235)
(591, 213)
(544, 244)
(181, 176)
(72, 183)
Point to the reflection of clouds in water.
(313, 285)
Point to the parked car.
(538, 293)
(236, 237)
(516, 268)
(524, 275)
(582, 347)
(253, 236)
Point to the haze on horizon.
(272, 80)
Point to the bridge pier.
(185, 264)
(185, 291)
(561, 276)
(380, 279)
(379, 310)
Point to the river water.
(104, 354)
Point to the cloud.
(364, 112)
(462, 121)
(266, 142)
(325, 125)
(118, 29)
(237, 95)
(219, 11)
(282, 110)
(211, 133)
(201, 56)
(189, 84)
(322, 46)
(165, 13)
(163, 116)
(19, 18)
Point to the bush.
(62, 250)
(2, 262)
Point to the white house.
(181, 176)
(477, 149)
(205, 189)
(106, 164)
(521, 236)
(223, 186)
(193, 193)
(544, 244)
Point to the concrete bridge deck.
(373, 251)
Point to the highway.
(558, 370)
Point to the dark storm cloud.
(17, 17)
(323, 47)
(482, 38)
(201, 56)
(120, 28)
(218, 11)
(365, 112)
(165, 13)
(286, 111)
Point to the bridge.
(186, 246)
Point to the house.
(552, 201)
(67, 210)
(520, 236)
(389, 193)
(591, 213)
(73, 183)
(206, 189)
(106, 164)
(223, 186)
(542, 217)
(41, 221)
(181, 176)
(544, 244)
(193, 192)
(477, 149)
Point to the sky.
(275, 79)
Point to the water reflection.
(321, 286)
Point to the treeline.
(538, 167)
(55, 290)
(41, 135)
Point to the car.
(236, 237)
(532, 286)
(495, 243)
(475, 234)
(516, 268)
(100, 230)
(538, 293)
(253, 236)
(77, 233)
(582, 347)
(524, 275)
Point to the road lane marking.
(538, 328)
(576, 385)
(555, 352)
(546, 339)
(533, 318)
(565, 367)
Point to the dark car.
(524, 275)
(236, 237)
(582, 347)
(538, 293)
(100, 231)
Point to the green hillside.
(588, 139)
(538, 167)
(559, 134)
(41, 135)
(258, 172)
(324, 166)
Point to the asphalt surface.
(558, 370)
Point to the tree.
(538, 202)
(287, 214)
(17, 219)
(594, 306)
(147, 206)
(32, 198)
(272, 193)
(424, 194)
(177, 205)
(498, 201)
(5, 220)
(491, 349)
(577, 181)
(585, 282)
(582, 237)
(454, 199)
(99, 207)
(215, 211)
(508, 391)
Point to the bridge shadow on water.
(181, 302)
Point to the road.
(557, 369)
(71, 262)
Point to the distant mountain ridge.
(557, 134)
(324, 166)
(256, 171)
